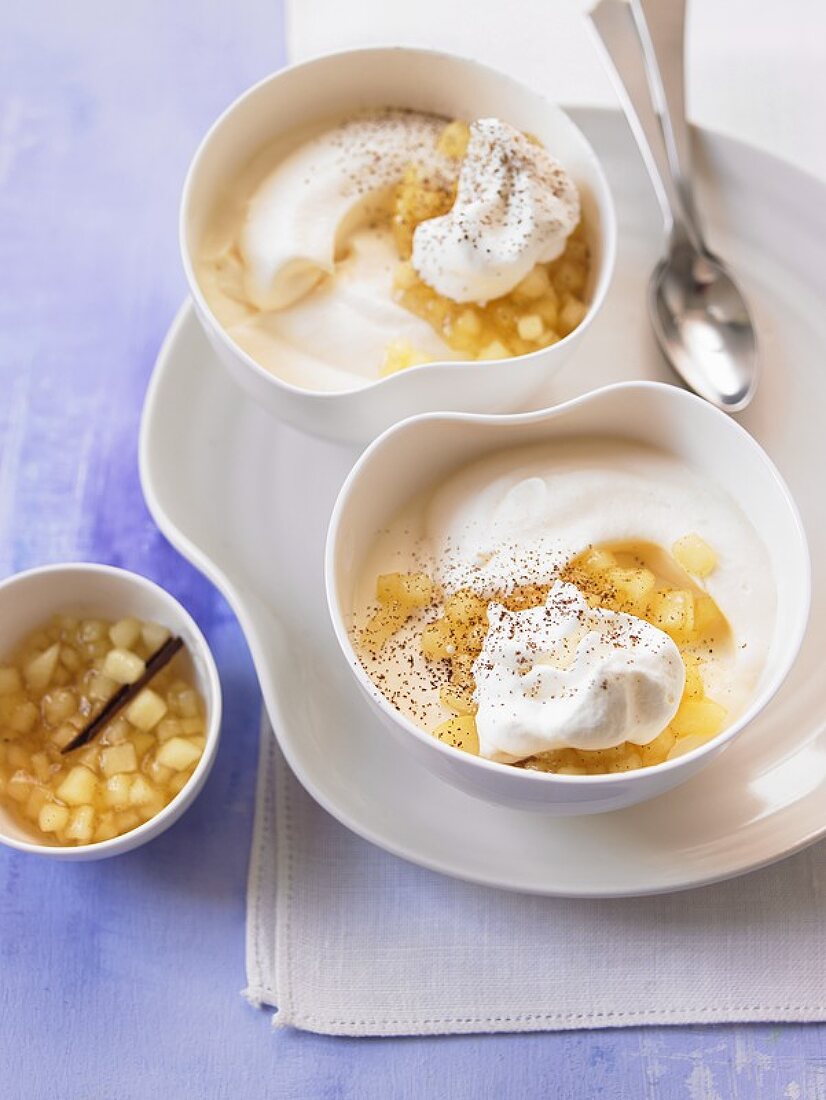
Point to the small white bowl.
(28, 599)
(423, 80)
(422, 452)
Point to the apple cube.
(116, 731)
(23, 717)
(57, 706)
(70, 658)
(438, 640)
(657, 750)
(154, 635)
(598, 561)
(494, 350)
(530, 327)
(185, 703)
(61, 737)
(91, 630)
(453, 140)
(39, 671)
(127, 819)
(119, 758)
(178, 753)
(460, 732)
(101, 687)
(19, 786)
(457, 699)
(52, 817)
(81, 824)
(116, 790)
(672, 611)
(89, 756)
(694, 688)
(38, 797)
(466, 607)
(78, 788)
(708, 618)
(146, 710)
(123, 666)
(407, 589)
(382, 626)
(159, 773)
(41, 765)
(632, 584)
(686, 744)
(536, 284)
(125, 633)
(143, 742)
(107, 828)
(178, 782)
(572, 314)
(698, 717)
(694, 555)
(141, 792)
(168, 727)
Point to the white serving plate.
(247, 501)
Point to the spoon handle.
(618, 39)
(661, 27)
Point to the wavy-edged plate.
(247, 500)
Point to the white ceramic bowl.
(421, 452)
(391, 77)
(27, 599)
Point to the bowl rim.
(152, 827)
(779, 671)
(608, 231)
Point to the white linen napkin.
(346, 939)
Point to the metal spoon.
(699, 315)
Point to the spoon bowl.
(699, 316)
(702, 324)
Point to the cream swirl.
(299, 215)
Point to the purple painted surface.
(121, 979)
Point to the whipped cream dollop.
(565, 675)
(515, 207)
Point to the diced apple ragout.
(638, 578)
(547, 305)
(56, 680)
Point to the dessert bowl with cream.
(385, 232)
(571, 610)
